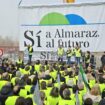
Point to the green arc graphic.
(54, 19)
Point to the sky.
(9, 17)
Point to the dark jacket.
(103, 59)
(5, 92)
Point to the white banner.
(48, 27)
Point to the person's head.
(95, 90)
(102, 102)
(88, 101)
(70, 74)
(34, 82)
(38, 62)
(75, 88)
(60, 46)
(5, 76)
(46, 62)
(18, 74)
(54, 92)
(28, 81)
(20, 101)
(81, 86)
(88, 52)
(66, 93)
(21, 83)
(42, 69)
(43, 85)
(29, 101)
(16, 90)
(89, 69)
(77, 46)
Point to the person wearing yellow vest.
(87, 59)
(30, 51)
(19, 62)
(60, 53)
(78, 54)
(66, 100)
(69, 54)
(53, 98)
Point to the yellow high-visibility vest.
(23, 93)
(52, 100)
(3, 83)
(11, 100)
(53, 74)
(28, 88)
(73, 97)
(30, 50)
(102, 87)
(66, 102)
(78, 53)
(37, 67)
(13, 80)
(87, 60)
(19, 61)
(60, 51)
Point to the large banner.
(47, 27)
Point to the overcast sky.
(9, 17)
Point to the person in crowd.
(20, 101)
(29, 101)
(62, 87)
(53, 99)
(88, 101)
(34, 82)
(102, 102)
(69, 54)
(12, 99)
(37, 66)
(19, 62)
(93, 61)
(78, 54)
(30, 51)
(103, 59)
(5, 92)
(60, 53)
(87, 58)
(66, 98)
(14, 84)
(94, 94)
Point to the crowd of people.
(59, 83)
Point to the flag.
(84, 77)
(58, 80)
(80, 80)
(26, 56)
(77, 98)
(36, 95)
